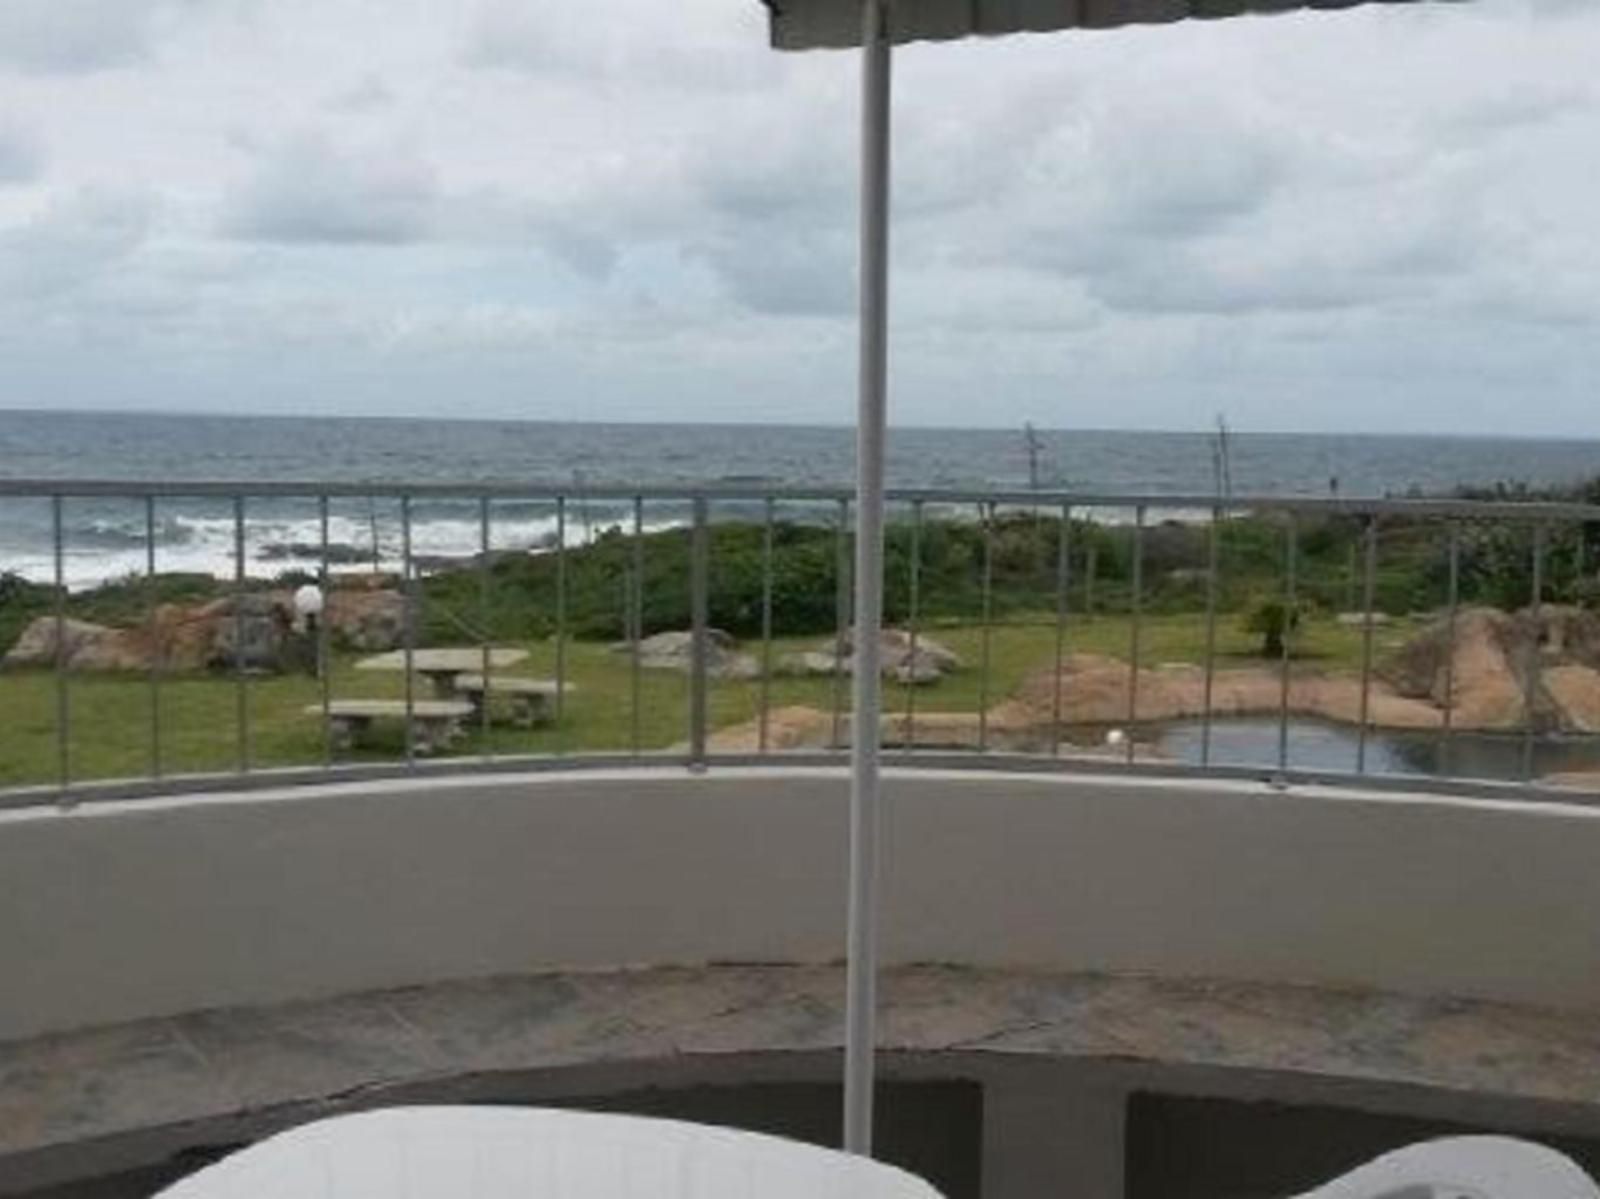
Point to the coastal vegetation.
(991, 590)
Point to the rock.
(95, 648)
(38, 644)
(895, 644)
(811, 663)
(371, 580)
(1094, 691)
(251, 632)
(372, 621)
(1571, 634)
(178, 638)
(1361, 619)
(1471, 672)
(674, 650)
(916, 669)
(930, 661)
(1577, 780)
(1483, 668)
(1575, 692)
(791, 727)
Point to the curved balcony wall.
(121, 911)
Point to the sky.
(1384, 219)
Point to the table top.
(442, 661)
(536, 1153)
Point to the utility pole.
(1035, 447)
(1222, 459)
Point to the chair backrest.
(1464, 1168)
(515, 1153)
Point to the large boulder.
(674, 650)
(1483, 668)
(928, 662)
(368, 620)
(45, 641)
(1575, 692)
(252, 632)
(180, 638)
(1094, 689)
(94, 647)
(1475, 670)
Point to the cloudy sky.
(1384, 219)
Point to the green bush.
(1272, 620)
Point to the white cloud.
(308, 190)
(69, 244)
(679, 47)
(457, 206)
(21, 156)
(75, 35)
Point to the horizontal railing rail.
(1498, 509)
(1073, 589)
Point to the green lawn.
(111, 716)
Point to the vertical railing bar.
(1213, 564)
(241, 683)
(324, 658)
(1533, 667)
(1369, 571)
(1091, 559)
(485, 621)
(1286, 641)
(154, 644)
(699, 603)
(841, 619)
(1453, 602)
(766, 618)
(63, 705)
(1137, 606)
(636, 630)
(561, 624)
(409, 590)
(913, 624)
(1063, 582)
(986, 514)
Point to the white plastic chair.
(1464, 1168)
(536, 1153)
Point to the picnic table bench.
(532, 700)
(441, 665)
(435, 723)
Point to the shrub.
(1272, 620)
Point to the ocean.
(106, 538)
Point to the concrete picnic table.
(442, 665)
(435, 723)
(531, 700)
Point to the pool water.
(1317, 745)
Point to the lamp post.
(308, 605)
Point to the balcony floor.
(97, 1101)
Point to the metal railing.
(1067, 598)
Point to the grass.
(111, 717)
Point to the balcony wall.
(127, 910)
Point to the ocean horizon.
(106, 537)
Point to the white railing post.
(862, 957)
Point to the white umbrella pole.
(862, 954)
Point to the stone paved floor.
(85, 1087)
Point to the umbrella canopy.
(817, 24)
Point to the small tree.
(1272, 620)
